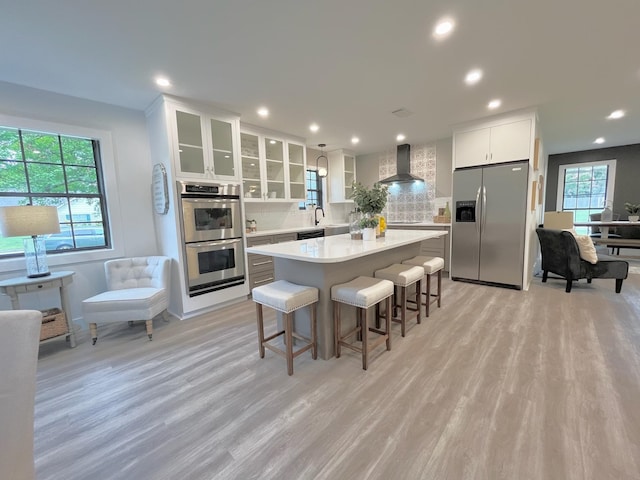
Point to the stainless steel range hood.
(403, 167)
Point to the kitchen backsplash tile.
(411, 202)
(274, 216)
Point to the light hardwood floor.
(497, 384)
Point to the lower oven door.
(214, 265)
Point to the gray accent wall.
(627, 183)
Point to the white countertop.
(339, 248)
(294, 229)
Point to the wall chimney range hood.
(403, 167)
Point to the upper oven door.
(208, 219)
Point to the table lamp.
(31, 221)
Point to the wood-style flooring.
(496, 384)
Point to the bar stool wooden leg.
(428, 295)
(260, 329)
(403, 310)
(288, 335)
(364, 315)
(439, 286)
(417, 297)
(388, 323)
(314, 336)
(336, 326)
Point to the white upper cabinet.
(296, 155)
(342, 174)
(273, 169)
(204, 144)
(496, 144)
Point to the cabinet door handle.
(263, 281)
(261, 263)
(486, 156)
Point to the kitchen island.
(323, 262)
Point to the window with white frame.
(45, 168)
(584, 188)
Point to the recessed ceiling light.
(163, 82)
(493, 104)
(473, 77)
(272, 142)
(314, 127)
(616, 114)
(400, 137)
(355, 140)
(443, 28)
(263, 112)
(599, 140)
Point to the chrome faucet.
(315, 214)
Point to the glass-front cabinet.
(204, 146)
(274, 158)
(272, 168)
(296, 171)
(342, 175)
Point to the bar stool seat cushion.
(401, 275)
(362, 292)
(285, 296)
(429, 264)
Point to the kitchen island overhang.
(324, 262)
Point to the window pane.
(77, 151)
(10, 144)
(46, 178)
(41, 147)
(14, 178)
(82, 180)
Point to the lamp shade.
(28, 220)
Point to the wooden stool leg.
(403, 310)
(260, 329)
(418, 293)
(439, 286)
(288, 334)
(93, 327)
(314, 339)
(388, 324)
(364, 312)
(336, 327)
(428, 299)
(149, 325)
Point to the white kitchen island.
(327, 261)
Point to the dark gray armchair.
(560, 255)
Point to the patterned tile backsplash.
(411, 202)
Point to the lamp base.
(35, 254)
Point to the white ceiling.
(345, 64)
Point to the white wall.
(131, 166)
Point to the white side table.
(15, 286)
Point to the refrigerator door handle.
(484, 207)
(477, 204)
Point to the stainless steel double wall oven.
(211, 236)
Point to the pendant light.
(322, 172)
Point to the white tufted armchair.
(138, 289)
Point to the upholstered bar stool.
(286, 297)
(403, 277)
(431, 266)
(362, 293)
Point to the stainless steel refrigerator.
(489, 223)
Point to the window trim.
(16, 264)
(611, 180)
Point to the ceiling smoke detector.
(402, 113)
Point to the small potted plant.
(368, 225)
(370, 202)
(633, 210)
